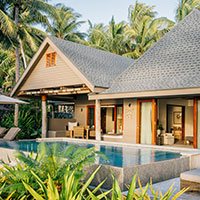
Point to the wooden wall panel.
(55, 76)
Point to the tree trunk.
(23, 54)
(16, 64)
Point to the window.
(50, 59)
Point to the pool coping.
(121, 144)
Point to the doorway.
(103, 119)
(176, 122)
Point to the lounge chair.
(191, 179)
(11, 134)
(78, 131)
(2, 131)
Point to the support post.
(154, 121)
(98, 119)
(195, 123)
(16, 120)
(44, 116)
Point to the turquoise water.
(117, 156)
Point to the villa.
(118, 98)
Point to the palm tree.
(144, 29)
(185, 7)
(64, 23)
(17, 22)
(109, 38)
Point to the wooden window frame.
(115, 114)
(50, 56)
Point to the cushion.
(71, 125)
(193, 176)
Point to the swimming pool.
(117, 156)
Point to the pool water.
(117, 156)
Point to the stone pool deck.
(165, 185)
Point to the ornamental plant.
(56, 173)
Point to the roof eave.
(48, 42)
(146, 94)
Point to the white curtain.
(146, 123)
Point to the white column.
(44, 117)
(98, 119)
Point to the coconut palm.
(144, 29)
(64, 23)
(18, 21)
(109, 38)
(185, 7)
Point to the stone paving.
(165, 185)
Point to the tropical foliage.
(53, 161)
(63, 23)
(132, 39)
(29, 120)
(48, 176)
(20, 39)
(185, 7)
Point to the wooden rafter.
(59, 91)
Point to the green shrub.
(47, 162)
(29, 120)
(50, 177)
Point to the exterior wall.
(188, 113)
(47, 77)
(130, 120)
(81, 104)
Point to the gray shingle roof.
(99, 67)
(172, 63)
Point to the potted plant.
(159, 132)
(159, 129)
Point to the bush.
(49, 161)
(29, 120)
(50, 177)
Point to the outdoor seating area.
(10, 135)
(191, 180)
(69, 128)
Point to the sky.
(101, 11)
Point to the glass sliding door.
(146, 123)
(119, 120)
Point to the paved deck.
(165, 185)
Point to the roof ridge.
(89, 47)
(195, 10)
(100, 67)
